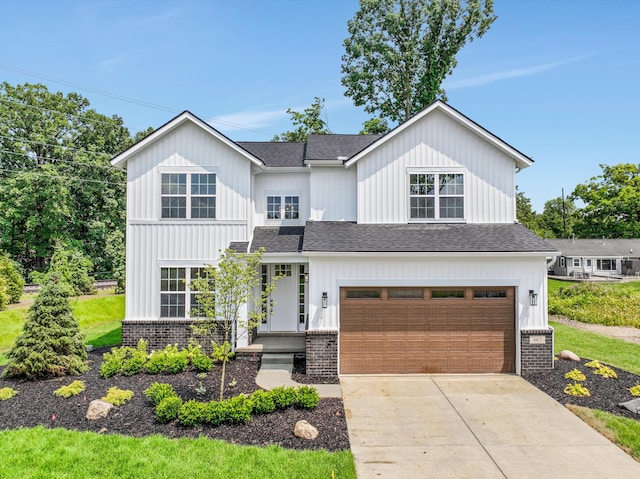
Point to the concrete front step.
(277, 358)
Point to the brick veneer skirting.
(322, 352)
(159, 333)
(536, 349)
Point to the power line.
(27, 155)
(57, 145)
(75, 178)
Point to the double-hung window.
(283, 207)
(178, 299)
(436, 196)
(188, 196)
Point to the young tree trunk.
(224, 368)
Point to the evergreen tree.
(10, 274)
(51, 343)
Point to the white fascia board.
(270, 258)
(324, 162)
(120, 160)
(429, 254)
(290, 169)
(521, 160)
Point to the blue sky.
(557, 79)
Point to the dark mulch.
(36, 405)
(606, 393)
(299, 374)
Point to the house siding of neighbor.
(600, 257)
(397, 253)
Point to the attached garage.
(427, 330)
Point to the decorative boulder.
(633, 405)
(98, 409)
(305, 430)
(568, 355)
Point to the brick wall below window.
(322, 352)
(535, 354)
(160, 333)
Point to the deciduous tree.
(400, 51)
(308, 122)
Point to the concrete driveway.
(471, 426)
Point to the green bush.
(214, 413)
(125, 360)
(14, 281)
(7, 393)
(262, 402)
(117, 396)
(237, 410)
(576, 375)
(283, 397)
(159, 391)
(192, 413)
(73, 389)
(168, 408)
(170, 360)
(202, 363)
(4, 293)
(307, 397)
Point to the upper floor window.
(276, 211)
(188, 195)
(436, 196)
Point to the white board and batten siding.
(333, 194)
(153, 242)
(436, 144)
(281, 184)
(330, 273)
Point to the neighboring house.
(597, 257)
(398, 253)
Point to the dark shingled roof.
(337, 236)
(598, 247)
(278, 154)
(333, 147)
(239, 246)
(278, 239)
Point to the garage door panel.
(427, 336)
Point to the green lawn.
(40, 452)
(616, 352)
(99, 317)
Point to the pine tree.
(51, 343)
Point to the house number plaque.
(537, 340)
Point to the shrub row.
(171, 360)
(236, 410)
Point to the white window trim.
(436, 171)
(188, 170)
(187, 289)
(282, 220)
(578, 261)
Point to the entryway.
(287, 307)
(479, 426)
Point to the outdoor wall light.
(533, 298)
(325, 299)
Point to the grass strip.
(615, 352)
(623, 431)
(40, 452)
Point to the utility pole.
(564, 218)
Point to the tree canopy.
(611, 203)
(307, 122)
(56, 182)
(400, 51)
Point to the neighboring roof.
(617, 248)
(239, 246)
(275, 153)
(521, 160)
(337, 236)
(336, 147)
(120, 160)
(278, 239)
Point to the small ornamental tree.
(51, 343)
(14, 281)
(221, 293)
(73, 267)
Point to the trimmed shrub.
(168, 408)
(237, 410)
(73, 389)
(159, 391)
(192, 413)
(7, 393)
(117, 396)
(283, 397)
(168, 361)
(262, 402)
(125, 360)
(214, 413)
(307, 397)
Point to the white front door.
(286, 307)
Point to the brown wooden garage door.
(427, 330)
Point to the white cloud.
(247, 120)
(505, 75)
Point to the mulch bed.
(36, 405)
(606, 393)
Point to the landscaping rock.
(98, 409)
(305, 430)
(633, 405)
(568, 355)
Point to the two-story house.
(397, 253)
